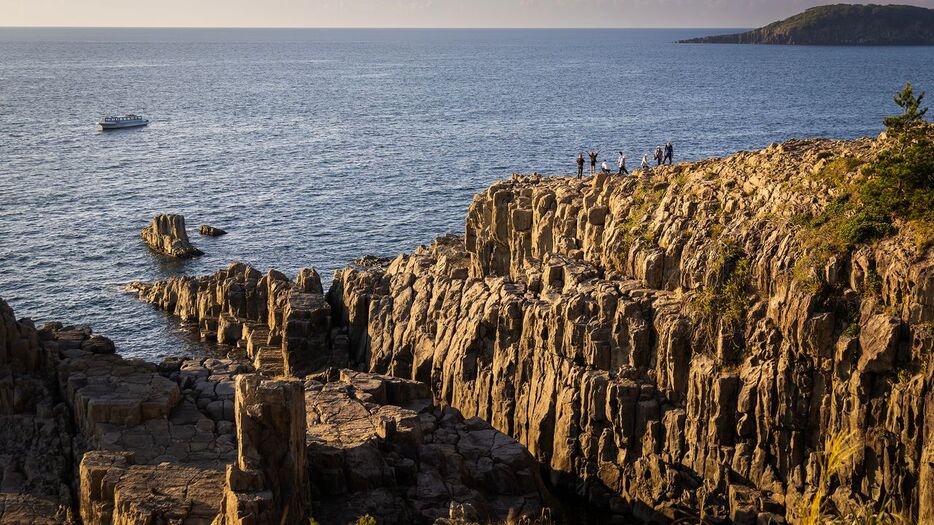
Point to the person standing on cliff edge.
(658, 155)
(645, 161)
(580, 165)
(669, 153)
(621, 162)
(593, 161)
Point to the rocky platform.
(383, 448)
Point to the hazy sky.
(404, 13)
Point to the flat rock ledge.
(166, 235)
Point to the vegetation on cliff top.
(841, 24)
(893, 192)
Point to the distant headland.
(843, 25)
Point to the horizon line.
(558, 28)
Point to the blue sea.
(315, 147)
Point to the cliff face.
(676, 344)
(841, 24)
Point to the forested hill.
(841, 24)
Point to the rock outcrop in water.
(672, 345)
(211, 231)
(166, 235)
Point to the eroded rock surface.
(35, 429)
(130, 442)
(670, 342)
(166, 235)
(377, 445)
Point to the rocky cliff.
(686, 343)
(675, 344)
(89, 437)
(841, 24)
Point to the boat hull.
(107, 126)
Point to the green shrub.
(728, 300)
(865, 226)
(851, 330)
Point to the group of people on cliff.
(661, 156)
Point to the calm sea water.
(314, 147)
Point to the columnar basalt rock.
(283, 326)
(35, 432)
(199, 441)
(268, 484)
(140, 446)
(166, 235)
(666, 342)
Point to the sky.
(405, 13)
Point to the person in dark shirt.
(593, 161)
(580, 165)
(669, 153)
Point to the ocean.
(315, 147)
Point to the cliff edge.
(841, 24)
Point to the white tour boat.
(126, 121)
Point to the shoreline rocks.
(166, 235)
(283, 326)
(197, 441)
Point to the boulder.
(210, 231)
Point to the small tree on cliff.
(901, 180)
(913, 116)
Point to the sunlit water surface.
(314, 147)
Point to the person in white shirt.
(605, 167)
(621, 162)
(645, 161)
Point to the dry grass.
(815, 509)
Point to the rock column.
(268, 484)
